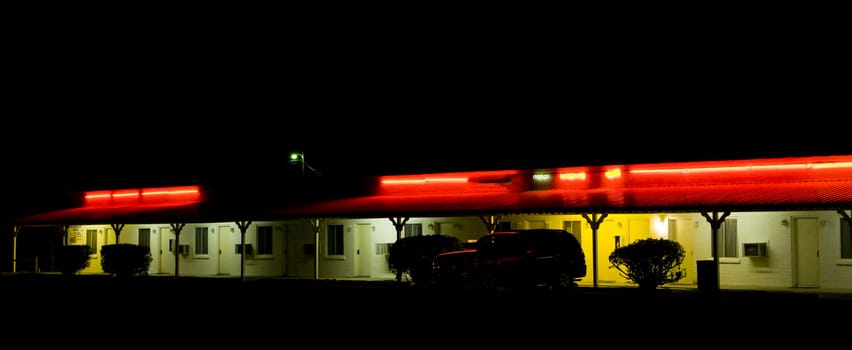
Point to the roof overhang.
(745, 185)
(796, 183)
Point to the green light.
(300, 158)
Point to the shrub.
(649, 262)
(125, 260)
(414, 255)
(72, 258)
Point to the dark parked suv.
(521, 258)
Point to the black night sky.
(168, 101)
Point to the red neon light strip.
(155, 193)
(125, 194)
(183, 194)
(800, 166)
(424, 180)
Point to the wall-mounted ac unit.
(308, 249)
(183, 249)
(238, 249)
(754, 249)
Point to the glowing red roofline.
(178, 195)
(609, 176)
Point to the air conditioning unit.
(754, 249)
(183, 249)
(238, 249)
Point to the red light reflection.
(179, 195)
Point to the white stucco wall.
(292, 238)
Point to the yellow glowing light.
(831, 165)
(613, 173)
(573, 176)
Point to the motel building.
(755, 223)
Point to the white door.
(300, 250)
(680, 230)
(154, 245)
(167, 257)
(226, 249)
(364, 253)
(102, 236)
(610, 236)
(806, 239)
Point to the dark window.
(728, 239)
(845, 240)
(264, 240)
(201, 241)
(334, 240)
(411, 230)
(145, 237)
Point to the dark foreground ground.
(383, 314)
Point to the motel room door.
(154, 248)
(167, 257)
(364, 246)
(610, 236)
(806, 248)
(680, 230)
(225, 249)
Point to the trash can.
(708, 278)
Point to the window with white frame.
(383, 248)
(574, 227)
(264, 240)
(845, 240)
(334, 240)
(144, 237)
(92, 241)
(727, 235)
(201, 241)
(411, 230)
